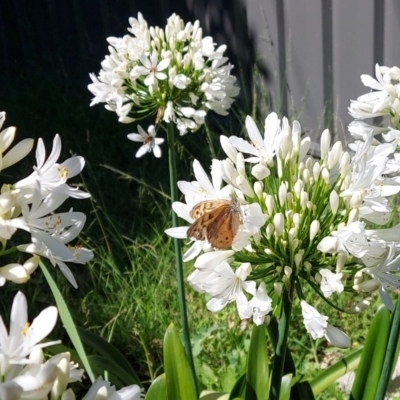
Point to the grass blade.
(67, 321)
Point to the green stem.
(178, 254)
(281, 345)
(210, 141)
(390, 354)
(334, 372)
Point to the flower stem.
(281, 345)
(178, 254)
(390, 354)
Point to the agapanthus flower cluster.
(383, 101)
(26, 374)
(303, 222)
(174, 73)
(30, 205)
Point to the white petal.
(337, 337)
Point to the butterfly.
(215, 220)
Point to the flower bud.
(298, 187)
(314, 228)
(288, 271)
(279, 223)
(367, 286)
(325, 143)
(296, 219)
(325, 175)
(345, 164)
(258, 189)
(304, 147)
(292, 234)
(270, 230)
(356, 200)
(282, 192)
(309, 163)
(269, 202)
(340, 262)
(303, 199)
(334, 155)
(278, 288)
(359, 307)
(260, 171)
(316, 170)
(295, 244)
(334, 202)
(307, 266)
(353, 216)
(306, 175)
(297, 259)
(318, 277)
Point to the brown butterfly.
(216, 220)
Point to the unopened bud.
(279, 223)
(269, 202)
(334, 202)
(314, 228)
(325, 143)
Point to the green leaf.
(239, 388)
(391, 354)
(179, 382)
(257, 377)
(286, 387)
(158, 389)
(100, 364)
(370, 367)
(108, 351)
(67, 321)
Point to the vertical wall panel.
(263, 32)
(391, 54)
(353, 40)
(304, 64)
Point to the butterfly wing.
(199, 228)
(205, 207)
(223, 229)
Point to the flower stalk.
(178, 253)
(390, 354)
(281, 345)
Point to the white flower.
(226, 285)
(103, 390)
(50, 174)
(317, 326)
(16, 346)
(330, 282)
(18, 152)
(382, 274)
(261, 303)
(265, 149)
(152, 68)
(149, 140)
(18, 273)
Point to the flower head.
(290, 219)
(173, 73)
